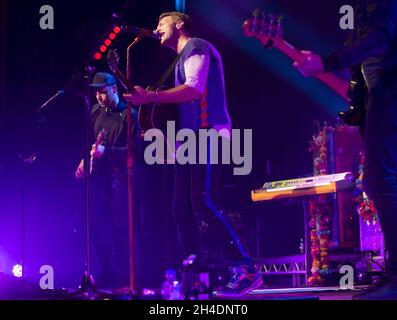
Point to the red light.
(117, 29)
(98, 56)
(112, 36)
(103, 48)
(108, 42)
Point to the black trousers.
(203, 226)
(109, 227)
(380, 175)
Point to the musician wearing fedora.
(109, 184)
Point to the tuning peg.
(263, 23)
(279, 20)
(272, 18)
(279, 31)
(256, 12)
(254, 25)
(272, 24)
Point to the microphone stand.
(87, 286)
(26, 159)
(130, 163)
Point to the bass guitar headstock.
(267, 28)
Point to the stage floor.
(309, 293)
(16, 291)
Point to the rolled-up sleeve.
(196, 71)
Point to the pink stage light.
(98, 56)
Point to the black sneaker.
(244, 280)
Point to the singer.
(200, 94)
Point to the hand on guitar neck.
(311, 64)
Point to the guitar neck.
(337, 84)
(99, 138)
(124, 81)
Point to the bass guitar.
(268, 30)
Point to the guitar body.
(156, 116)
(145, 117)
(163, 113)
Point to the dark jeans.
(203, 227)
(380, 180)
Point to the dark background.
(264, 94)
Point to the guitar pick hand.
(140, 96)
(97, 153)
(311, 65)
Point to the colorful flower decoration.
(320, 210)
(365, 207)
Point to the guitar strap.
(167, 73)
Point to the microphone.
(140, 31)
(60, 93)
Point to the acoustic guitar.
(151, 116)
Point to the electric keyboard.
(304, 186)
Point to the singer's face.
(105, 96)
(167, 30)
